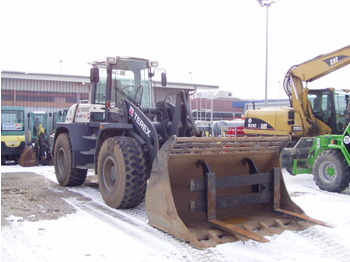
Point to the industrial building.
(55, 92)
(42, 92)
(215, 105)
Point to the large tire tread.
(132, 172)
(342, 178)
(70, 176)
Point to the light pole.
(60, 66)
(266, 3)
(190, 73)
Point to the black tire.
(16, 159)
(331, 171)
(122, 172)
(66, 174)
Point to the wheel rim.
(61, 162)
(328, 171)
(110, 172)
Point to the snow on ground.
(83, 237)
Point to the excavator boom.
(322, 65)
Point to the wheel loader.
(202, 190)
(328, 159)
(312, 112)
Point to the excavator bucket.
(208, 191)
(28, 157)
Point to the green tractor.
(327, 157)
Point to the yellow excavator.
(312, 112)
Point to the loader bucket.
(208, 191)
(28, 157)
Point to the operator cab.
(119, 78)
(330, 106)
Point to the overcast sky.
(221, 42)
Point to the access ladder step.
(87, 166)
(92, 137)
(88, 152)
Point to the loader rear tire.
(66, 174)
(122, 172)
(331, 171)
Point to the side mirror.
(94, 75)
(163, 80)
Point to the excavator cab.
(329, 106)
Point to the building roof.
(86, 79)
(43, 76)
(216, 94)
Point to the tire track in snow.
(133, 222)
(138, 215)
(345, 194)
(12, 242)
(328, 245)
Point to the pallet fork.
(208, 193)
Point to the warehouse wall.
(43, 95)
(52, 92)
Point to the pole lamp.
(266, 3)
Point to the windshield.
(12, 120)
(340, 100)
(323, 104)
(130, 80)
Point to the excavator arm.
(322, 65)
(307, 72)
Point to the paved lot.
(32, 197)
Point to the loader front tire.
(122, 172)
(331, 171)
(66, 174)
